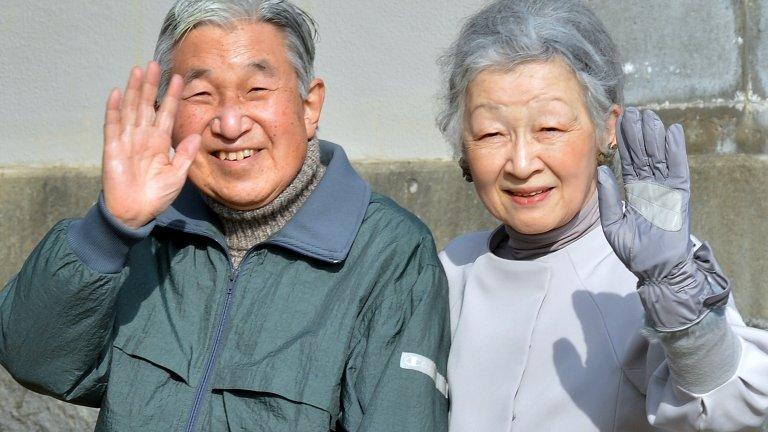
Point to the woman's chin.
(532, 226)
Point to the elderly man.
(250, 281)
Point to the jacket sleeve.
(738, 402)
(57, 313)
(395, 373)
(712, 375)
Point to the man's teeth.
(529, 194)
(236, 156)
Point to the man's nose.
(231, 123)
(523, 160)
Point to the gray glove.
(651, 234)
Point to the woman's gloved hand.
(651, 233)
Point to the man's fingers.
(130, 100)
(167, 112)
(112, 111)
(609, 197)
(149, 94)
(112, 126)
(185, 153)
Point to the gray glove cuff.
(684, 297)
(703, 356)
(706, 262)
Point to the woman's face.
(531, 145)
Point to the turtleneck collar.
(517, 246)
(245, 229)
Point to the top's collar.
(324, 227)
(586, 253)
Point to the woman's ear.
(611, 123)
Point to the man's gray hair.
(298, 27)
(508, 33)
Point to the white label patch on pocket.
(426, 366)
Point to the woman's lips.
(527, 198)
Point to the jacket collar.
(324, 227)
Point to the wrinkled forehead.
(533, 84)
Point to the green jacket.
(338, 322)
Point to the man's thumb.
(185, 153)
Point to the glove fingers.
(677, 158)
(655, 147)
(627, 171)
(609, 198)
(632, 131)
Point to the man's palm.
(139, 177)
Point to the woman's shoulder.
(465, 249)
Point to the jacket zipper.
(209, 365)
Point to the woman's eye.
(550, 132)
(489, 135)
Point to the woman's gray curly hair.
(507, 33)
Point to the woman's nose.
(523, 160)
(231, 123)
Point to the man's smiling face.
(242, 96)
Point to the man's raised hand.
(139, 177)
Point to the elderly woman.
(580, 312)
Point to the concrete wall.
(700, 62)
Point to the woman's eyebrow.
(487, 106)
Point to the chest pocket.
(148, 389)
(285, 391)
(282, 392)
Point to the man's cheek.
(190, 120)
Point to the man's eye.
(198, 94)
(258, 89)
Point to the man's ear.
(611, 125)
(313, 106)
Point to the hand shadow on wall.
(601, 369)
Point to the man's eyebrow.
(194, 74)
(262, 66)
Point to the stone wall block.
(757, 37)
(33, 200)
(676, 51)
(24, 411)
(722, 130)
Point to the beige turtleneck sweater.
(245, 229)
